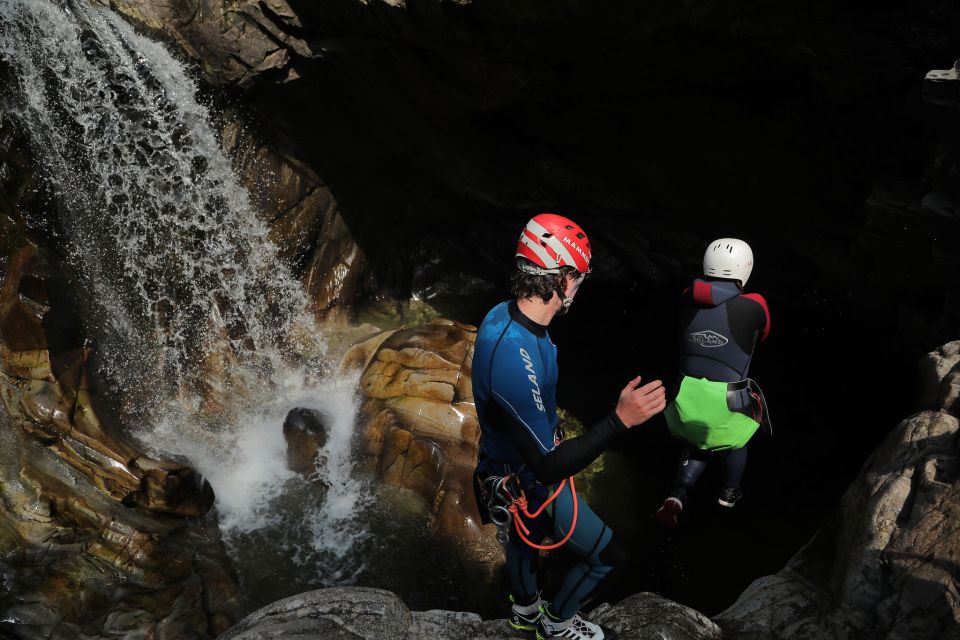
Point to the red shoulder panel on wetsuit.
(756, 297)
(702, 293)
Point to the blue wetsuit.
(514, 387)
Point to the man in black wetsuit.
(514, 387)
(717, 408)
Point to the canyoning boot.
(526, 617)
(576, 628)
(668, 512)
(729, 497)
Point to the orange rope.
(520, 505)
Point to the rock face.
(305, 221)
(420, 424)
(48, 395)
(373, 614)
(96, 538)
(886, 566)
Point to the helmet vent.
(580, 235)
(569, 227)
(547, 234)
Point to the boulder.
(647, 616)
(419, 424)
(305, 431)
(418, 417)
(367, 614)
(886, 565)
(939, 373)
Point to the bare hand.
(638, 404)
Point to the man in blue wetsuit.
(514, 386)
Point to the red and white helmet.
(549, 242)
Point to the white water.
(182, 284)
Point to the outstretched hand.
(638, 404)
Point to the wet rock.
(96, 538)
(238, 44)
(420, 427)
(305, 431)
(885, 566)
(647, 616)
(367, 614)
(305, 222)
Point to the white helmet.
(728, 258)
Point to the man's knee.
(614, 555)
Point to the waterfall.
(193, 315)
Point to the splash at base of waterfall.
(276, 522)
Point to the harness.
(506, 502)
(760, 410)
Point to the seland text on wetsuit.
(514, 386)
(712, 408)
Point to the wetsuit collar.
(517, 316)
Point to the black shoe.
(526, 618)
(667, 514)
(729, 497)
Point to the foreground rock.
(374, 614)
(886, 566)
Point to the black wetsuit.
(719, 327)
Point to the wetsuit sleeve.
(516, 389)
(570, 456)
(756, 297)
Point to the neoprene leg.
(591, 540)
(522, 567)
(735, 461)
(693, 462)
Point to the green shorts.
(700, 415)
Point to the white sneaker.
(525, 618)
(576, 628)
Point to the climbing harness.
(759, 410)
(506, 502)
(760, 403)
